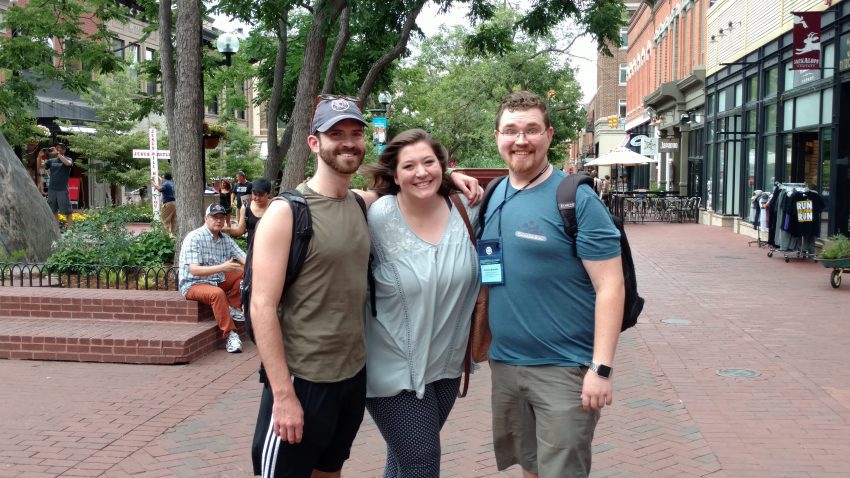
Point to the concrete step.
(98, 340)
(100, 304)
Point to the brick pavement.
(673, 416)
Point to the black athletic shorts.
(332, 416)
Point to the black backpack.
(302, 232)
(566, 200)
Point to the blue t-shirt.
(544, 313)
(167, 191)
(59, 173)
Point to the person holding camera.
(57, 187)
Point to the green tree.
(108, 153)
(50, 45)
(455, 95)
(238, 153)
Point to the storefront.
(766, 123)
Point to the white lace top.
(425, 294)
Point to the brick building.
(609, 100)
(665, 92)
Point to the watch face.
(603, 371)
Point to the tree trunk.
(308, 81)
(273, 161)
(339, 49)
(26, 222)
(188, 108)
(392, 55)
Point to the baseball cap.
(215, 210)
(332, 110)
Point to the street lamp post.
(227, 44)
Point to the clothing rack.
(803, 244)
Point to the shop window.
(752, 88)
(826, 109)
(771, 82)
(770, 118)
(808, 109)
(788, 115)
(769, 163)
(721, 101)
(828, 60)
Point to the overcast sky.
(584, 50)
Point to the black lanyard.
(508, 198)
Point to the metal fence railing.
(88, 276)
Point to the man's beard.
(329, 157)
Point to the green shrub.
(102, 239)
(836, 247)
(152, 247)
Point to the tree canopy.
(455, 93)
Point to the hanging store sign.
(806, 52)
(668, 145)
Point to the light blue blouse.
(425, 294)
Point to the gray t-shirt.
(59, 173)
(424, 295)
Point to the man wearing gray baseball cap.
(314, 352)
(211, 271)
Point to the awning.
(77, 129)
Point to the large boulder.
(26, 222)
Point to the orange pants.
(219, 297)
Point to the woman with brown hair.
(426, 275)
(225, 190)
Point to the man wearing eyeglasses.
(314, 351)
(552, 312)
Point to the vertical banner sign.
(154, 173)
(806, 52)
(380, 134)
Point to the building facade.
(665, 93)
(602, 134)
(768, 123)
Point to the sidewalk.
(673, 415)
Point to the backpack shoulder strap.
(463, 214)
(566, 200)
(488, 193)
(467, 360)
(302, 232)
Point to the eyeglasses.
(531, 133)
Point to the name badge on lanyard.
(490, 261)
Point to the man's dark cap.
(331, 111)
(215, 210)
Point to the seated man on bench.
(211, 267)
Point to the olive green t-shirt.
(321, 314)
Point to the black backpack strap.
(370, 278)
(488, 193)
(566, 200)
(302, 232)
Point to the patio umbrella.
(619, 156)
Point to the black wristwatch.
(603, 371)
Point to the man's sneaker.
(234, 343)
(236, 315)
